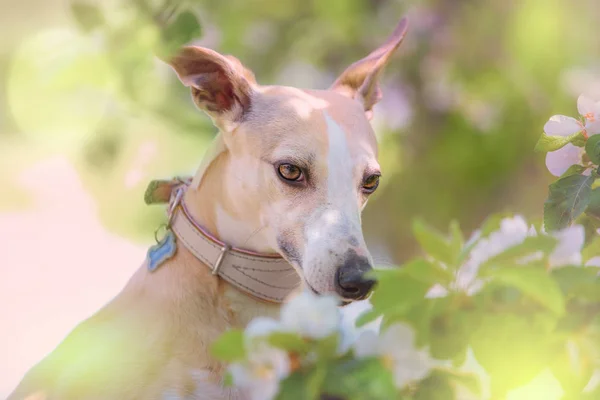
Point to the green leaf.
(229, 346)
(567, 199)
(535, 283)
(592, 249)
(450, 332)
(427, 272)
(457, 240)
(469, 381)
(87, 16)
(592, 149)
(289, 341)
(434, 243)
(359, 379)
(530, 245)
(574, 169)
(552, 143)
(435, 386)
(327, 347)
(396, 291)
(579, 282)
(593, 208)
(367, 317)
(295, 387)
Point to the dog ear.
(220, 85)
(360, 80)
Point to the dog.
(274, 208)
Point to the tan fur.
(153, 340)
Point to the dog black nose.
(350, 281)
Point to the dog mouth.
(344, 302)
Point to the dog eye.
(370, 183)
(290, 172)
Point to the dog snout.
(350, 280)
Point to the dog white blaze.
(334, 226)
(339, 168)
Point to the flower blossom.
(560, 160)
(259, 375)
(311, 315)
(513, 231)
(395, 347)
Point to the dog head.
(302, 163)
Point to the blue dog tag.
(161, 252)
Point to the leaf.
(435, 386)
(327, 347)
(592, 149)
(552, 143)
(396, 291)
(535, 283)
(574, 169)
(468, 380)
(567, 199)
(294, 387)
(427, 272)
(457, 240)
(434, 243)
(87, 16)
(359, 379)
(289, 341)
(229, 346)
(593, 208)
(579, 282)
(592, 249)
(450, 332)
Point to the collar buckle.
(224, 250)
(175, 201)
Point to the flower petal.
(593, 127)
(560, 160)
(568, 249)
(366, 345)
(593, 262)
(436, 291)
(560, 125)
(311, 315)
(585, 105)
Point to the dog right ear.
(220, 85)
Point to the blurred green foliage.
(463, 102)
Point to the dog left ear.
(360, 80)
(220, 84)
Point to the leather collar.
(267, 277)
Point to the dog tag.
(161, 251)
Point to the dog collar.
(265, 276)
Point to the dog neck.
(211, 202)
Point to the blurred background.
(88, 116)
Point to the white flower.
(590, 110)
(512, 232)
(395, 347)
(568, 249)
(559, 161)
(311, 315)
(593, 262)
(259, 375)
(559, 125)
